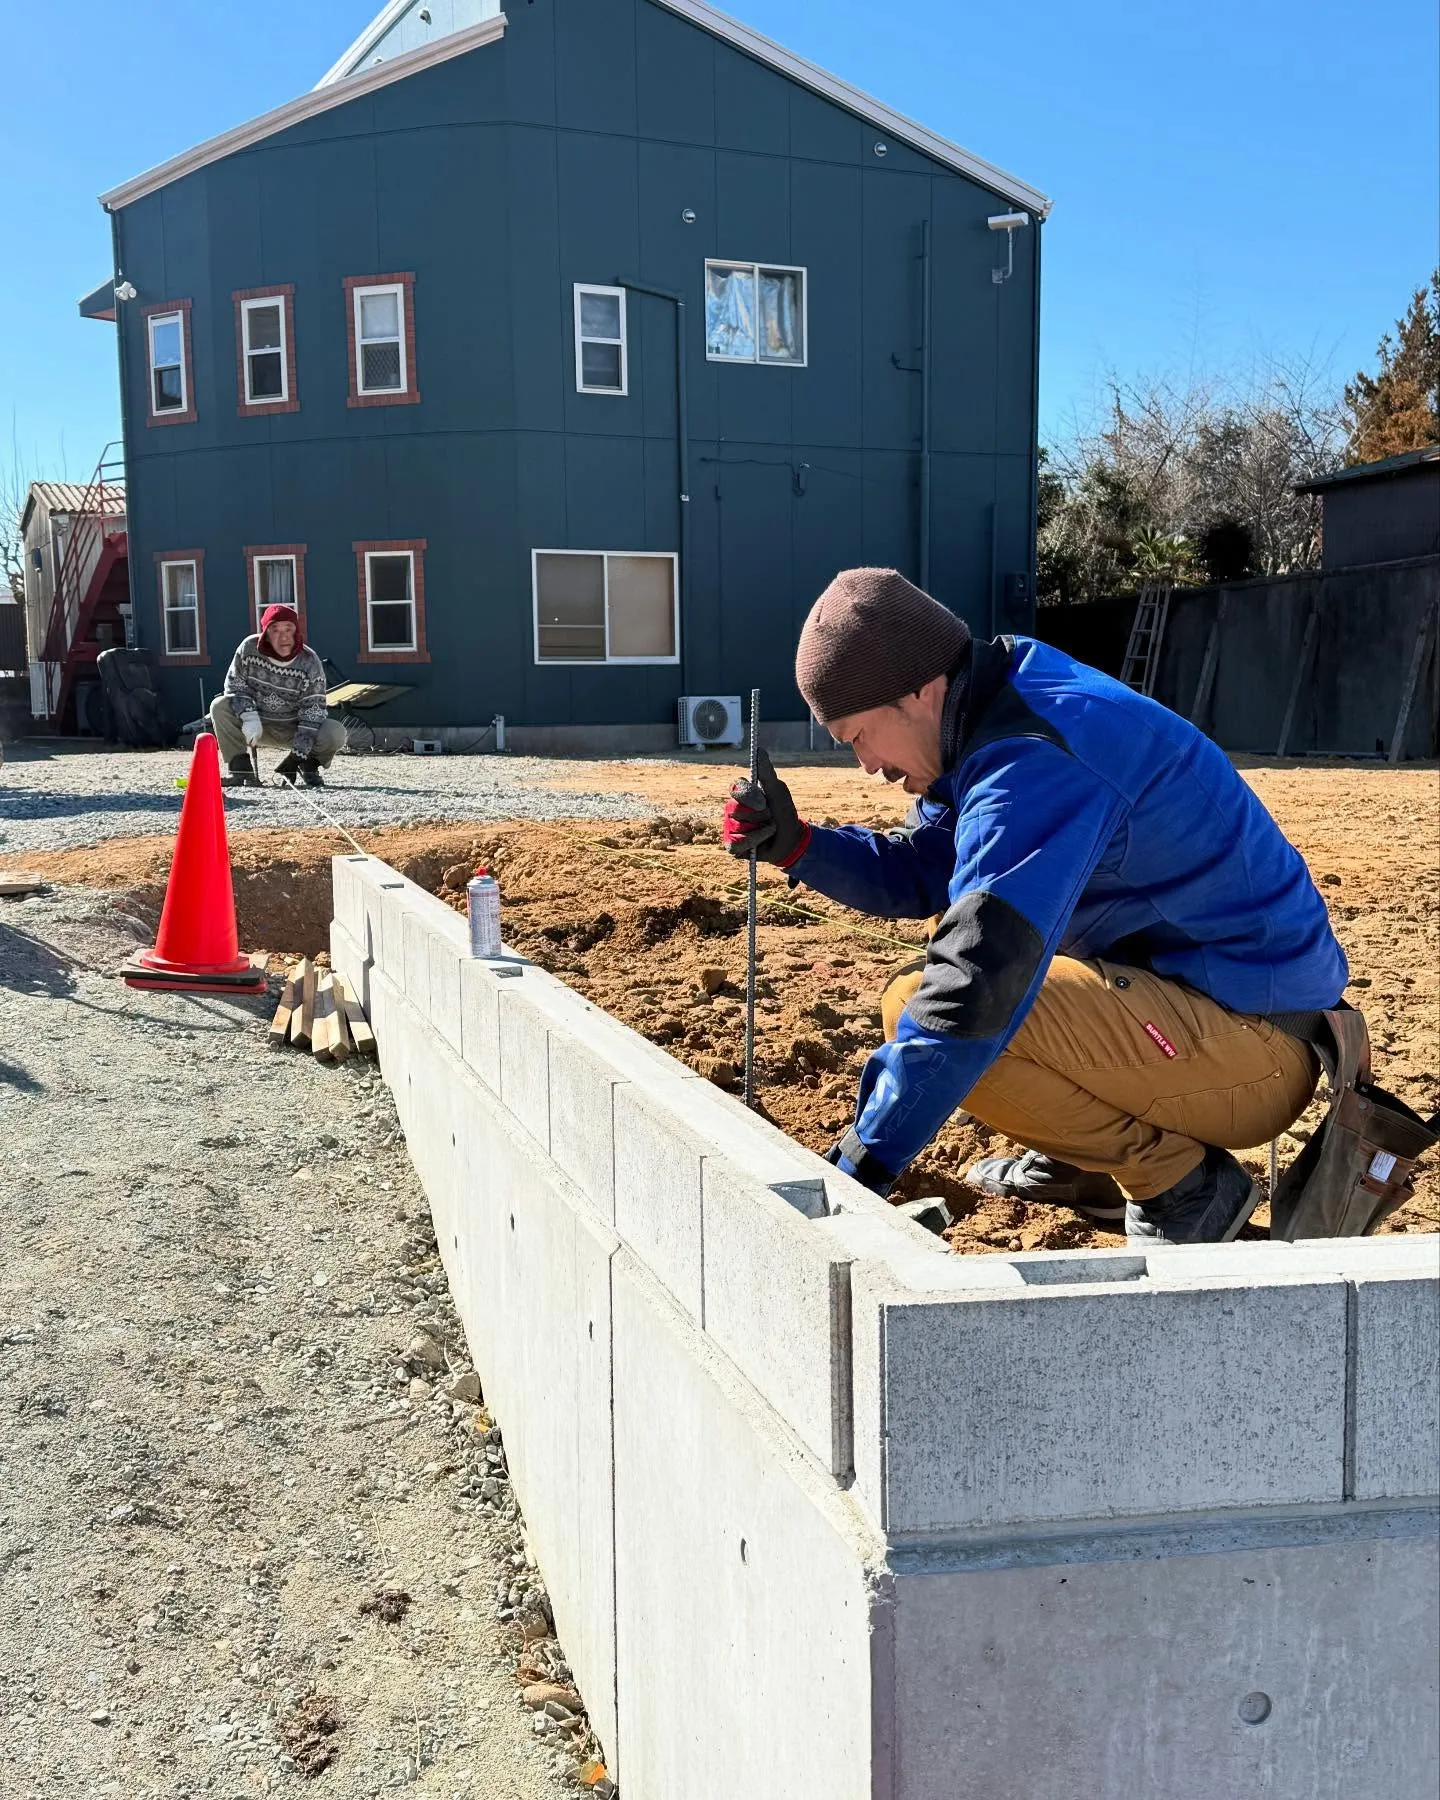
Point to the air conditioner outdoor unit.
(706, 719)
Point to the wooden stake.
(280, 1024)
(303, 1020)
(361, 1035)
(322, 1031)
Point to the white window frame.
(180, 562)
(381, 650)
(168, 412)
(397, 288)
(581, 386)
(294, 562)
(609, 661)
(755, 268)
(246, 307)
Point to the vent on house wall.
(710, 719)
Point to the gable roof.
(348, 80)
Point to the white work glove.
(253, 729)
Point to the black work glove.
(760, 818)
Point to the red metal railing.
(100, 516)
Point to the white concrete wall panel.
(1396, 1400)
(744, 1595)
(1101, 1402)
(525, 1061)
(777, 1302)
(348, 959)
(1292, 1673)
(657, 1193)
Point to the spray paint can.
(482, 908)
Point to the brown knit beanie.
(871, 638)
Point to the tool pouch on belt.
(1357, 1167)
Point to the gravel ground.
(56, 798)
(245, 1524)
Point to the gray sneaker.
(1036, 1177)
(1210, 1205)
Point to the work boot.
(310, 772)
(1035, 1177)
(242, 773)
(1207, 1206)
(288, 768)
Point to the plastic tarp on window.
(782, 316)
(730, 312)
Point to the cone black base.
(246, 981)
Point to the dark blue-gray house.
(553, 362)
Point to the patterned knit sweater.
(282, 693)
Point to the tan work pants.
(329, 739)
(1123, 1071)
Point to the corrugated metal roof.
(69, 496)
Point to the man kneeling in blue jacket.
(1126, 943)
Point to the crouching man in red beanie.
(275, 694)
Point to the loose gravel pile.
(56, 800)
(255, 1522)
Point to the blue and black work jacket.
(1074, 817)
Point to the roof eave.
(307, 106)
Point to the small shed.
(1380, 512)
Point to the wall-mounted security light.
(688, 216)
(425, 15)
(126, 291)
(1009, 223)
(882, 149)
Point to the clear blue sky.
(1231, 180)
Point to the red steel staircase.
(92, 585)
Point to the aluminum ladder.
(1142, 653)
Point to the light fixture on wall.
(688, 216)
(126, 290)
(882, 149)
(1009, 223)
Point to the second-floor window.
(755, 312)
(381, 329)
(380, 340)
(169, 382)
(265, 332)
(600, 350)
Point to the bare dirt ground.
(254, 1522)
(646, 918)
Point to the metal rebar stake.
(751, 910)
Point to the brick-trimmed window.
(390, 577)
(380, 330)
(275, 575)
(265, 351)
(180, 594)
(169, 366)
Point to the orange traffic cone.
(198, 948)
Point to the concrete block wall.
(826, 1511)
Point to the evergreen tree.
(1398, 408)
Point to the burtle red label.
(1154, 1031)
